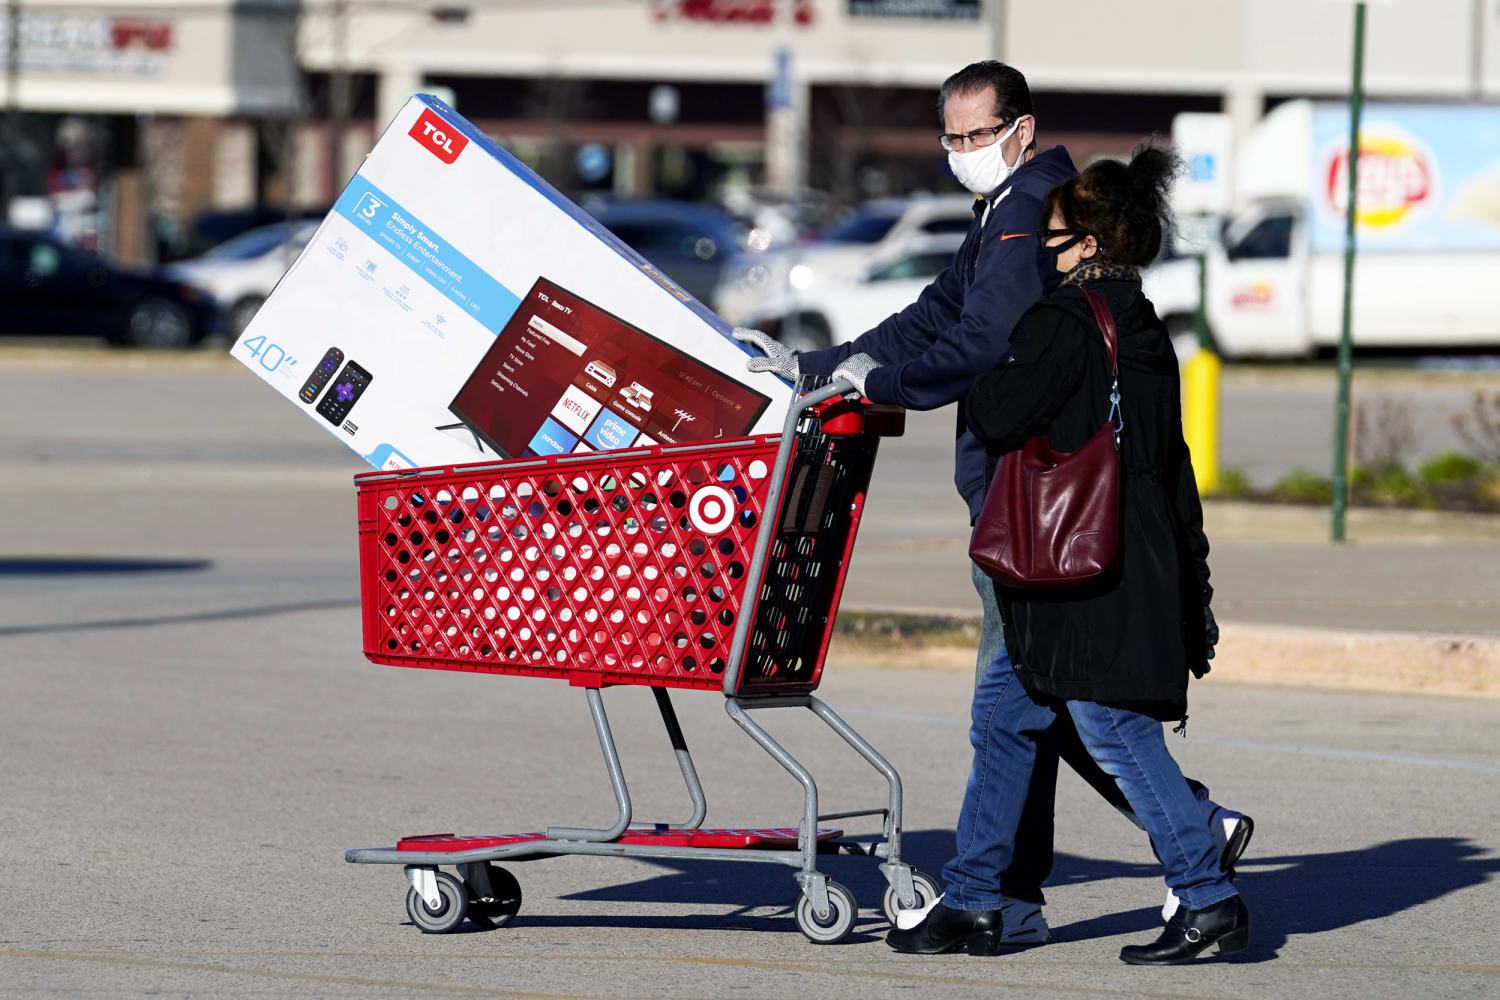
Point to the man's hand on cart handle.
(856, 368)
(779, 359)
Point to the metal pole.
(338, 98)
(1200, 317)
(1346, 346)
(997, 29)
(10, 184)
(1476, 50)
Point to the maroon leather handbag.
(1051, 519)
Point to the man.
(927, 355)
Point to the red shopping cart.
(712, 566)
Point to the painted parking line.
(835, 969)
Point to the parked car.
(891, 221)
(240, 274)
(48, 287)
(865, 232)
(689, 242)
(837, 310)
(222, 225)
(773, 218)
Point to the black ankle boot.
(1226, 923)
(949, 930)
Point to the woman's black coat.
(1131, 637)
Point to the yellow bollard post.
(1200, 416)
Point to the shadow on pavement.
(1312, 893)
(866, 929)
(1288, 895)
(95, 566)
(227, 614)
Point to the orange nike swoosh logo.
(1013, 236)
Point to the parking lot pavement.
(151, 459)
(191, 740)
(178, 793)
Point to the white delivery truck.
(1428, 234)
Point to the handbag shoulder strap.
(1106, 321)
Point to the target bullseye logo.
(711, 509)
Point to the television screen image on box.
(565, 376)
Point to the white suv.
(836, 310)
(242, 272)
(865, 232)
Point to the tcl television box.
(454, 307)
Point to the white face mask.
(984, 169)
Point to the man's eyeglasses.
(953, 142)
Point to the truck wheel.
(1183, 330)
(159, 324)
(811, 333)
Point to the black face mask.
(1046, 261)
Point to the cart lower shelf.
(775, 838)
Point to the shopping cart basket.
(712, 566)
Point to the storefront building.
(181, 107)
(122, 118)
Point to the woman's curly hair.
(1123, 206)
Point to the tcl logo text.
(440, 138)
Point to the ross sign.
(89, 43)
(732, 11)
(1428, 178)
(946, 10)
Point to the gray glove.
(779, 359)
(856, 368)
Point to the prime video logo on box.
(368, 208)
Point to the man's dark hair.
(1012, 96)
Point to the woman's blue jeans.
(1007, 725)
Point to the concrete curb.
(1265, 655)
(1406, 662)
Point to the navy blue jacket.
(959, 327)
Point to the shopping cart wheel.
(838, 922)
(501, 908)
(451, 910)
(927, 891)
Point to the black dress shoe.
(946, 930)
(1189, 932)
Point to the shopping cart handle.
(852, 414)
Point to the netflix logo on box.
(440, 138)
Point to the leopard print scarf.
(1100, 270)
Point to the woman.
(1114, 656)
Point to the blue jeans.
(1009, 733)
(1031, 859)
